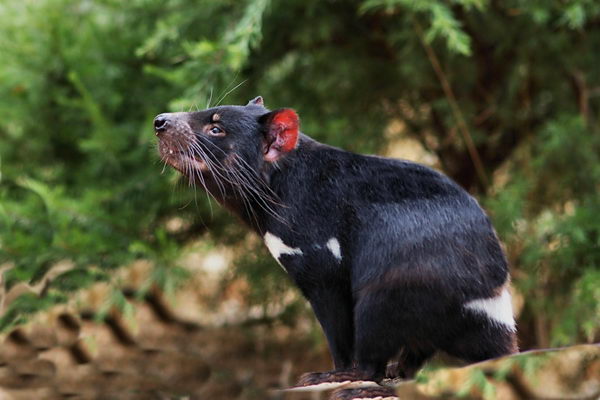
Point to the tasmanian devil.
(396, 260)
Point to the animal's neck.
(248, 194)
(265, 202)
(252, 195)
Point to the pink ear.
(282, 133)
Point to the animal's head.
(218, 140)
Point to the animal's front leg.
(333, 306)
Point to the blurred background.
(503, 96)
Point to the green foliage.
(81, 81)
(443, 22)
(553, 201)
(79, 178)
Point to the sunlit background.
(503, 96)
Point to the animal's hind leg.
(408, 362)
(481, 339)
(388, 319)
(376, 341)
(382, 327)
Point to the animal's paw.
(331, 377)
(365, 393)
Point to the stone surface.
(157, 352)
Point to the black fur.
(415, 247)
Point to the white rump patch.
(278, 248)
(497, 308)
(334, 246)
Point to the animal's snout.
(161, 122)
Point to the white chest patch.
(497, 308)
(278, 248)
(334, 246)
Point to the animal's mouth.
(176, 142)
(175, 152)
(183, 161)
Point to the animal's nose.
(161, 122)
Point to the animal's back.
(394, 218)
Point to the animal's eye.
(215, 130)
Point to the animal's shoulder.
(373, 178)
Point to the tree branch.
(456, 111)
